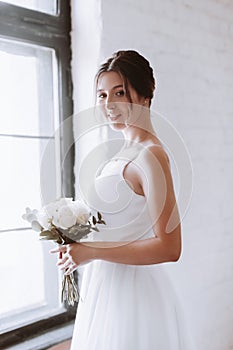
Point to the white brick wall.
(190, 46)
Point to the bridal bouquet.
(64, 221)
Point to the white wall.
(190, 46)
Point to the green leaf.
(46, 239)
(94, 220)
(45, 233)
(102, 222)
(52, 235)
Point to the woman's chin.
(117, 126)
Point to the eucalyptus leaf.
(46, 239)
(45, 233)
(50, 236)
(94, 220)
(76, 235)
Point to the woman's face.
(114, 103)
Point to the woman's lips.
(114, 117)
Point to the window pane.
(27, 107)
(20, 179)
(30, 163)
(48, 6)
(24, 273)
(27, 266)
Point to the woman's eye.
(101, 96)
(120, 93)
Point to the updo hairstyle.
(134, 70)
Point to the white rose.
(82, 212)
(45, 218)
(66, 217)
(53, 207)
(50, 209)
(50, 212)
(63, 201)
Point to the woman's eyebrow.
(115, 87)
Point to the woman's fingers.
(65, 259)
(66, 264)
(60, 249)
(62, 260)
(70, 269)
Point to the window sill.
(46, 340)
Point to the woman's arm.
(141, 252)
(154, 175)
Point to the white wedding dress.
(125, 307)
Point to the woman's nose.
(109, 103)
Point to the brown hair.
(134, 69)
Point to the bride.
(127, 300)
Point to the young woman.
(127, 301)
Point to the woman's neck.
(135, 135)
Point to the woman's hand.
(72, 255)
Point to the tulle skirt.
(127, 307)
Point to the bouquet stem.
(69, 289)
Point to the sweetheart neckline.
(122, 176)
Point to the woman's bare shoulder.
(153, 152)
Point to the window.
(48, 6)
(36, 161)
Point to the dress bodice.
(124, 211)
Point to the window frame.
(50, 31)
